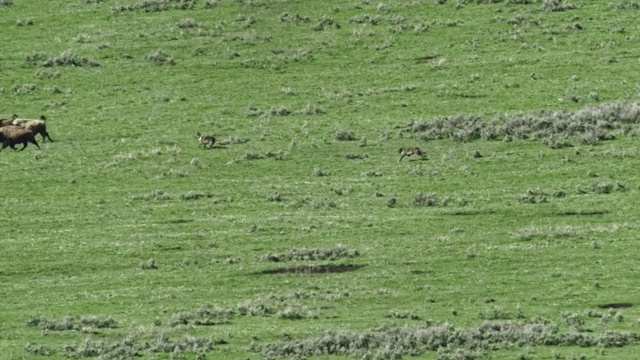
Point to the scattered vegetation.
(154, 195)
(69, 58)
(71, 322)
(203, 316)
(344, 135)
(333, 253)
(160, 57)
(529, 117)
(588, 125)
(443, 339)
(195, 195)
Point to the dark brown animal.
(12, 135)
(408, 151)
(205, 140)
(7, 122)
(35, 126)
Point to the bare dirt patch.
(583, 213)
(615, 306)
(313, 269)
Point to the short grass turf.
(300, 233)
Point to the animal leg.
(47, 135)
(402, 156)
(34, 142)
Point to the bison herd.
(22, 131)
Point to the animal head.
(42, 117)
(400, 150)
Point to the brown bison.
(7, 122)
(38, 126)
(12, 135)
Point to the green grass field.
(300, 234)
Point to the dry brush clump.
(24, 89)
(402, 315)
(71, 322)
(324, 22)
(39, 350)
(154, 6)
(69, 58)
(285, 306)
(588, 125)
(127, 349)
(316, 203)
(160, 57)
(130, 348)
(157, 195)
(195, 195)
(282, 110)
(556, 5)
(344, 135)
(430, 200)
(203, 316)
(533, 196)
(624, 5)
(473, 342)
(297, 19)
(313, 254)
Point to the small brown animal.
(206, 141)
(35, 126)
(12, 135)
(408, 151)
(7, 122)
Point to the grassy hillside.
(300, 234)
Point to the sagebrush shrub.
(195, 195)
(344, 135)
(556, 5)
(68, 58)
(160, 57)
(430, 199)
